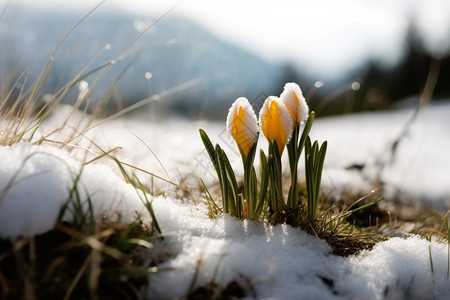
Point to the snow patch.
(280, 262)
(35, 182)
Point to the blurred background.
(348, 56)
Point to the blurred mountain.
(173, 52)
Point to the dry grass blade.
(91, 241)
(4, 8)
(105, 154)
(175, 89)
(77, 278)
(153, 153)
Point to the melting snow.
(276, 262)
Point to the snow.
(244, 251)
(295, 102)
(419, 170)
(276, 262)
(402, 265)
(279, 262)
(35, 182)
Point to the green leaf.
(249, 190)
(233, 192)
(321, 159)
(209, 148)
(292, 148)
(222, 179)
(148, 204)
(305, 133)
(275, 168)
(314, 161)
(264, 174)
(230, 189)
(254, 192)
(294, 154)
(251, 155)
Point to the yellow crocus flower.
(276, 122)
(295, 103)
(242, 124)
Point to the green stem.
(250, 184)
(314, 160)
(294, 155)
(275, 181)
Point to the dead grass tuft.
(64, 263)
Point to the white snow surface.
(270, 262)
(280, 262)
(35, 182)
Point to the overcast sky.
(326, 36)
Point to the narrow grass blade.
(212, 206)
(431, 260)
(70, 199)
(148, 204)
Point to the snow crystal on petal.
(292, 97)
(275, 121)
(241, 114)
(286, 121)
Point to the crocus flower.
(295, 103)
(242, 124)
(276, 122)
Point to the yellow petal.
(293, 110)
(275, 121)
(242, 125)
(237, 131)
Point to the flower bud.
(295, 103)
(242, 124)
(275, 122)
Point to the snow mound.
(35, 182)
(399, 269)
(280, 262)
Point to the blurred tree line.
(374, 86)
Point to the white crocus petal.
(292, 97)
(242, 124)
